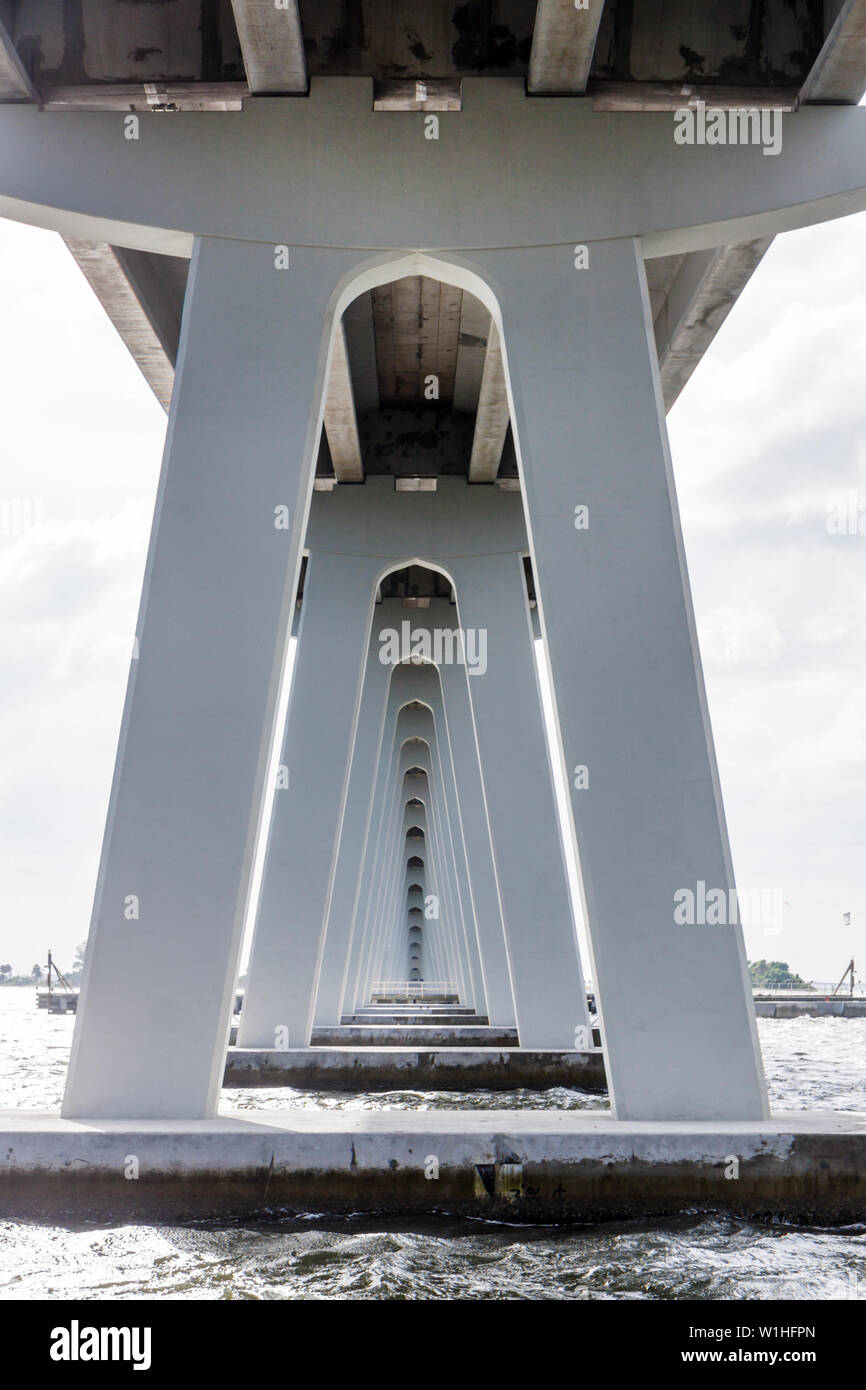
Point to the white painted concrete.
(677, 1017)
(77, 174)
(546, 972)
(298, 873)
(337, 946)
(215, 613)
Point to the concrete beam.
(417, 94)
(341, 422)
(159, 284)
(158, 97)
(361, 347)
(83, 179)
(272, 45)
(15, 84)
(672, 96)
(704, 290)
(563, 44)
(417, 326)
(108, 272)
(471, 351)
(839, 71)
(491, 421)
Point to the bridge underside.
(187, 55)
(417, 376)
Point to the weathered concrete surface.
(418, 1068)
(428, 1016)
(519, 1166)
(703, 291)
(272, 45)
(414, 1035)
(563, 44)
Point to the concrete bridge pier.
(547, 978)
(384, 872)
(413, 771)
(217, 600)
(475, 827)
(545, 354)
(493, 707)
(308, 804)
(448, 906)
(619, 632)
(416, 744)
(360, 809)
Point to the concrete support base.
(519, 1166)
(447, 1014)
(415, 1035)
(414, 1068)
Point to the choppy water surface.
(811, 1063)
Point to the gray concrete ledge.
(414, 1069)
(524, 1166)
(414, 1035)
(428, 1016)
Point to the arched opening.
(416, 386)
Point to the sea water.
(811, 1064)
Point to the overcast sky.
(767, 437)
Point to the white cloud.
(82, 441)
(769, 432)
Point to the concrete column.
(616, 614)
(384, 930)
(333, 977)
(388, 910)
(449, 699)
(549, 996)
(361, 940)
(455, 925)
(218, 593)
(381, 872)
(487, 908)
(448, 872)
(306, 822)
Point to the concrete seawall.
(520, 1167)
(813, 1008)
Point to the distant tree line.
(774, 974)
(39, 972)
(765, 974)
(7, 978)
